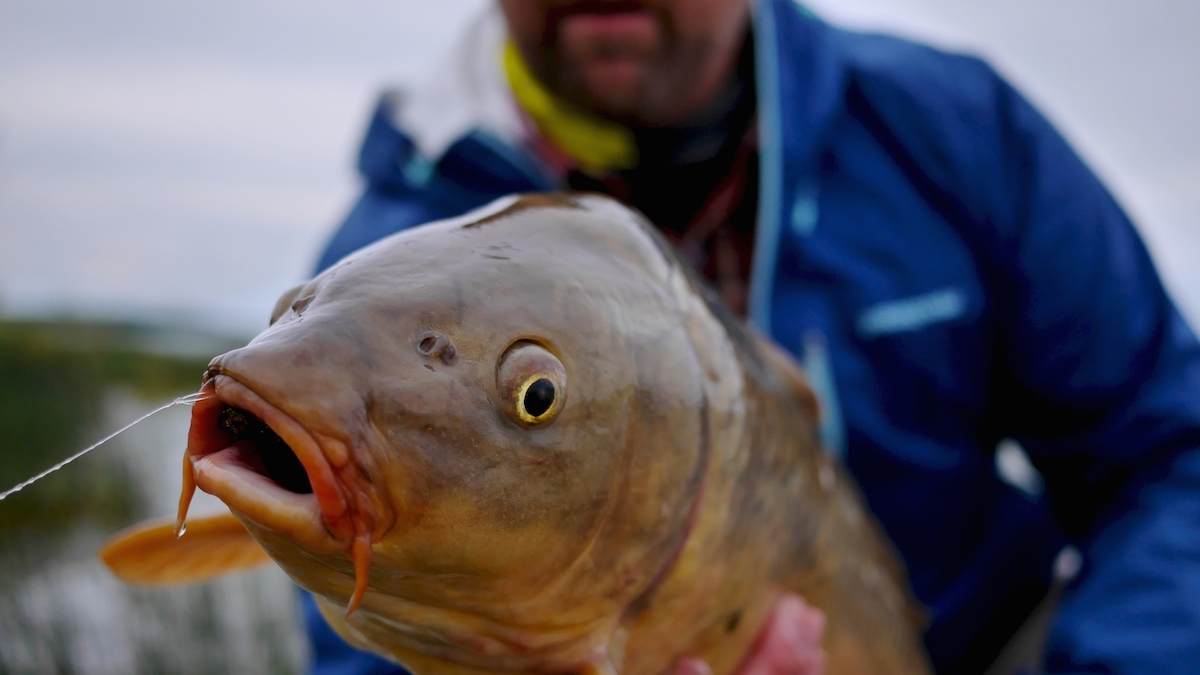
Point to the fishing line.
(182, 400)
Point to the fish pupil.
(539, 397)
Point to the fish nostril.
(302, 304)
(436, 345)
(427, 344)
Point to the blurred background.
(167, 169)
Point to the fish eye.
(537, 399)
(532, 383)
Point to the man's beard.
(666, 76)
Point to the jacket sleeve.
(1099, 379)
(377, 214)
(404, 189)
(1096, 375)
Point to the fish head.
(487, 434)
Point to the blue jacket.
(951, 275)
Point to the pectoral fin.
(150, 553)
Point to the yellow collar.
(596, 144)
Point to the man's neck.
(714, 130)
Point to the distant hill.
(84, 334)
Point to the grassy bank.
(54, 376)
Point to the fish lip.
(318, 521)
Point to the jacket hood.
(467, 92)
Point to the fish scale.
(539, 462)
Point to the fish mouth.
(270, 469)
(266, 466)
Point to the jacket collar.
(800, 83)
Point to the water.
(61, 611)
(190, 398)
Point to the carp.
(529, 439)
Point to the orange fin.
(151, 554)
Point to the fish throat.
(263, 451)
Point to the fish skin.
(677, 493)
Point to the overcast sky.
(186, 161)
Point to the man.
(948, 271)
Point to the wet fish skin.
(534, 512)
(674, 494)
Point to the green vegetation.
(63, 386)
(53, 379)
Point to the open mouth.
(266, 466)
(259, 449)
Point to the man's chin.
(613, 89)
